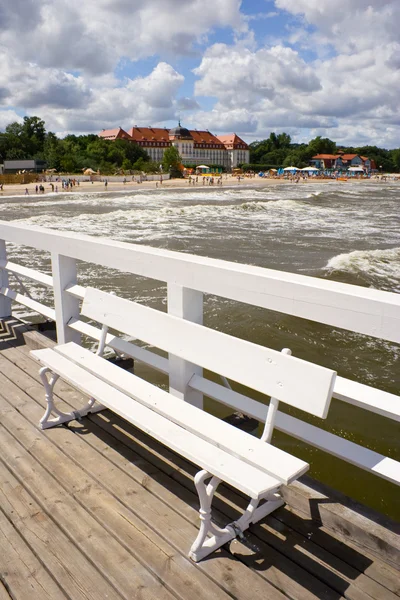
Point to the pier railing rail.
(362, 310)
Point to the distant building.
(18, 166)
(342, 161)
(237, 149)
(194, 146)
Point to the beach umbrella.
(202, 167)
(356, 169)
(291, 169)
(309, 169)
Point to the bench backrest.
(291, 380)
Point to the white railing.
(362, 310)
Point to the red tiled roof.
(149, 134)
(205, 137)
(232, 140)
(348, 156)
(113, 134)
(325, 156)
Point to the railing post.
(5, 303)
(186, 304)
(66, 306)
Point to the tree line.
(72, 154)
(279, 151)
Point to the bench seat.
(224, 453)
(243, 461)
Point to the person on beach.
(26, 192)
(106, 183)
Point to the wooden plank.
(363, 310)
(358, 558)
(21, 571)
(266, 552)
(268, 371)
(282, 573)
(119, 454)
(4, 595)
(346, 518)
(95, 545)
(36, 340)
(46, 539)
(204, 581)
(321, 593)
(340, 576)
(224, 436)
(250, 480)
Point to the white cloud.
(92, 36)
(243, 78)
(349, 27)
(60, 61)
(7, 117)
(354, 89)
(148, 100)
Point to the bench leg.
(203, 545)
(60, 417)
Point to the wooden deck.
(97, 510)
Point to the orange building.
(194, 146)
(342, 161)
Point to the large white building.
(194, 146)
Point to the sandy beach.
(119, 186)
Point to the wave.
(382, 266)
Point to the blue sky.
(251, 66)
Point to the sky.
(306, 67)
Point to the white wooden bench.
(223, 452)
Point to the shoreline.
(18, 190)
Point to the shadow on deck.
(98, 510)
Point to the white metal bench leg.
(61, 417)
(203, 545)
(255, 513)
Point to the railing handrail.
(363, 310)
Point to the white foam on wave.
(376, 264)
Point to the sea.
(339, 231)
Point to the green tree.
(321, 145)
(33, 134)
(52, 151)
(172, 161)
